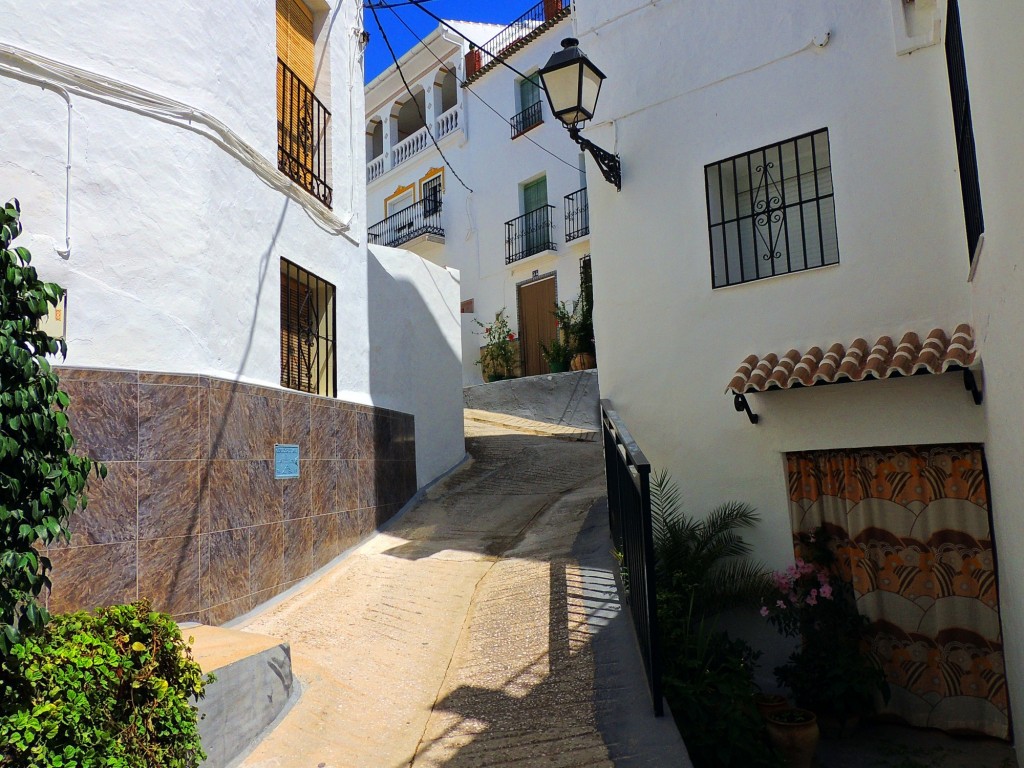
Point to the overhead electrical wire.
(445, 24)
(465, 85)
(419, 111)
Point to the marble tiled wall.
(190, 515)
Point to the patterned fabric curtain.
(917, 546)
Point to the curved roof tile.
(858, 361)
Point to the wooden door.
(536, 323)
(535, 200)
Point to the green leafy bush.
(41, 480)
(108, 689)
(702, 569)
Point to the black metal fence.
(530, 233)
(540, 17)
(629, 516)
(420, 218)
(577, 215)
(302, 124)
(529, 118)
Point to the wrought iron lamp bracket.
(609, 164)
(741, 405)
(971, 385)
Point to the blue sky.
(377, 57)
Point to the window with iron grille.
(964, 129)
(431, 192)
(771, 211)
(308, 356)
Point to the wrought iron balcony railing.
(420, 218)
(530, 233)
(539, 18)
(577, 215)
(302, 125)
(529, 118)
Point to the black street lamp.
(573, 84)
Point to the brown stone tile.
(366, 474)
(348, 436)
(265, 493)
(224, 569)
(243, 426)
(185, 618)
(323, 432)
(204, 422)
(409, 482)
(326, 540)
(348, 528)
(168, 499)
(227, 498)
(297, 493)
(87, 577)
(107, 375)
(298, 547)
(381, 435)
(219, 614)
(266, 557)
(168, 422)
(110, 515)
(347, 485)
(364, 436)
(104, 419)
(169, 574)
(295, 425)
(172, 379)
(324, 485)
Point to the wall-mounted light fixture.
(573, 84)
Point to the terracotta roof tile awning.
(938, 353)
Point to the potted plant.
(498, 355)
(829, 673)
(794, 733)
(768, 703)
(558, 354)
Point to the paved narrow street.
(461, 636)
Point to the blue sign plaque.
(286, 461)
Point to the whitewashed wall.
(415, 350)
(493, 165)
(176, 243)
(721, 78)
(995, 71)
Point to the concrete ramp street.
(465, 634)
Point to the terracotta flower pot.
(583, 361)
(769, 703)
(794, 733)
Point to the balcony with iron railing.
(302, 125)
(530, 234)
(421, 218)
(529, 118)
(577, 215)
(515, 36)
(445, 124)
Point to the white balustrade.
(447, 122)
(375, 168)
(409, 146)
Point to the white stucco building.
(792, 218)
(193, 176)
(506, 203)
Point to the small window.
(530, 113)
(303, 122)
(430, 192)
(771, 211)
(308, 359)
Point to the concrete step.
(254, 685)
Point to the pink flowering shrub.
(830, 671)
